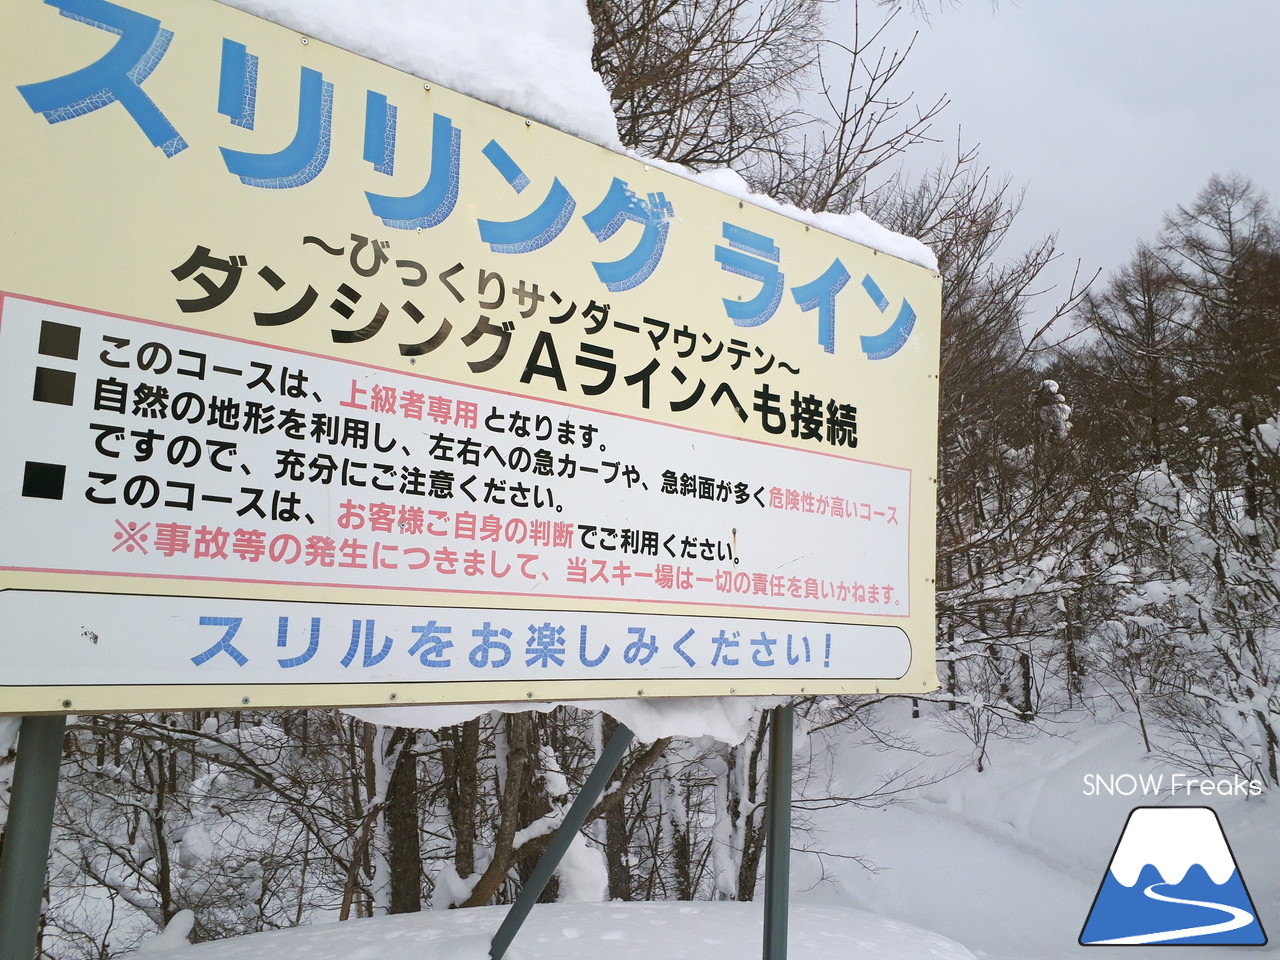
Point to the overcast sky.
(1110, 112)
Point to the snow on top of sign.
(533, 59)
(728, 719)
(857, 227)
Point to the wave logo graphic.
(1173, 880)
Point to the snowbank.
(1008, 861)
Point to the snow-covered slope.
(1008, 861)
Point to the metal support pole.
(610, 757)
(26, 840)
(777, 849)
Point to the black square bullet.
(54, 386)
(44, 480)
(59, 340)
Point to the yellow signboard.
(325, 385)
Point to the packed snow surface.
(620, 931)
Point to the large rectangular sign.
(321, 384)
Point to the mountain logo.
(1172, 880)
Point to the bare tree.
(732, 83)
(698, 82)
(1224, 250)
(860, 123)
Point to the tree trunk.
(462, 787)
(404, 854)
(615, 834)
(519, 766)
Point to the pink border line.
(5, 296)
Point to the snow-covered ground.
(632, 931)
(998, 865)
(1008, 861)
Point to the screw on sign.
(131, 537)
